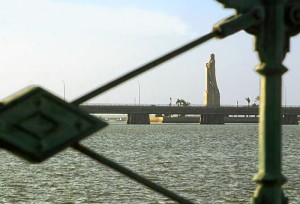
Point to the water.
(205, 164)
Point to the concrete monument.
(211, 94)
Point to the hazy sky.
(83, 44)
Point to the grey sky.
(85, 43)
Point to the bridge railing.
(174, 105)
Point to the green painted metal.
(146, 67)
(276, 22)
(36, 124)
(130, 174)
(272, 47)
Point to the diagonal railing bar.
(145, 68)
(127, 172)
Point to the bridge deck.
(191, 110)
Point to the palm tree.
(257, 99)
(248, 100)
(181, 102)
(178, 102)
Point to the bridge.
(211, 113)
(139, 114)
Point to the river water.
(203, 163)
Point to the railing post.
(269, 177)
(271, 44)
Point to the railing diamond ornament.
(36, 124)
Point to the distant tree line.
(179, 102)
(255, 103)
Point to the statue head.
(212, 56)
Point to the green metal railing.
(36, 124)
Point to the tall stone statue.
(211, 94)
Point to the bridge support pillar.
(212, 119)
(138, 118)
(289, 120)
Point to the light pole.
(139, 93)
(285, 95)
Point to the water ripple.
(206, 164)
